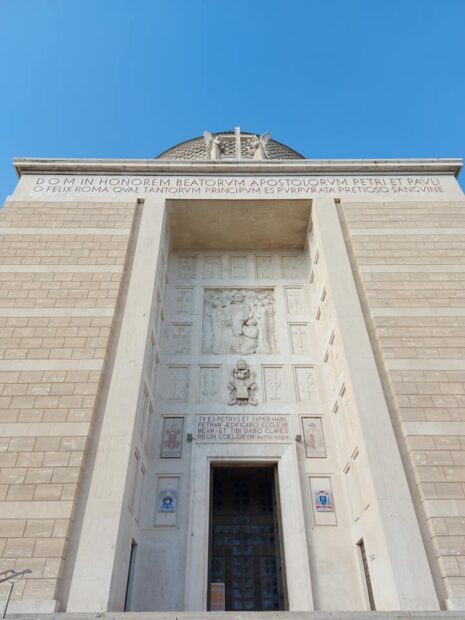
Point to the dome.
(197, 148)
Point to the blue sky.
(331, 78)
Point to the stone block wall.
(61, 269)
(409, 262)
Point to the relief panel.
(183, 299)
(239, 267)
(238, 321)
(179, 341)
(274, 383)
(312, 431)
(178, 383)
(291, 267)
(213, 267)
(186, 268)
(209, 383)
(264, 267)
(298, 333)
(305, 383)
(171, 447)
(294, 300)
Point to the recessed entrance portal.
(244, 551)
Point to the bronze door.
(244, 554)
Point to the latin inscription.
(253, 428)
(233, 186)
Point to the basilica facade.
(233, 380)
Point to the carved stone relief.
(178, 383)
(313, 438)
(238, 321)
(242, 387)
(305, 380)
(239, 267)
(299, 338)
(273, 380)
(213, 267)
(209, 383)
(291, 267)
(184, 298)
(294, 300)
(264, 267)
(186, 267)
(172, 435)
(180, 339)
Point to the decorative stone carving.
(291, 267)
(171, 446)
(213, 267)
(273, 380)
(180, 340)
(294, 299)
(186, 267)
(306, 388)
(236, 146)
(258, 146)
(239, 321)
(298, 333)
(239, 266)
(242, 387)
(264, 267)
(179, 383)
(214, 145)
(184, 298)
(209, 383)
(313, 438)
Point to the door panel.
(243, 545)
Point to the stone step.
(231, 615)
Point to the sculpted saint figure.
(239, 311)
(264, 315)
(214, 145)
(242, 387)
(238, 321)
(246, 342)
(258, 146)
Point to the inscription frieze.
(244, 428)
(234, 186)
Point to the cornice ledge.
(311, 166)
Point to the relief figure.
(239, 321)
(242, 387)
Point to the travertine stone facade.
(163, 323)
(61, 267)
(410, 262)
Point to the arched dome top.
(234, 145)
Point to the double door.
(244, 538)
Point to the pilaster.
(100, 572)
(400, 572)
